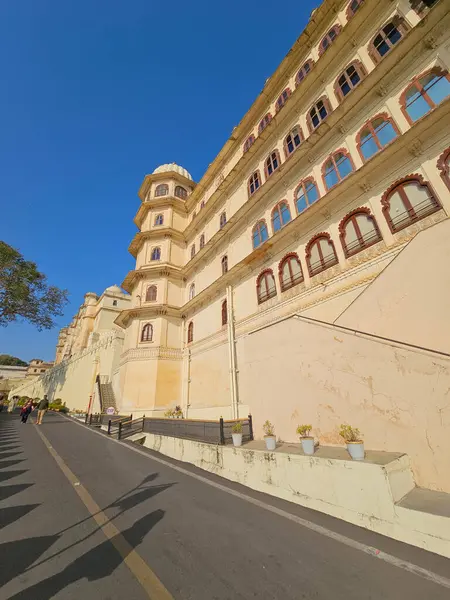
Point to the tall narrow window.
(349, 79)
(375, 135)
(159, 219)
(254, 183)
(265, 286)
(352, 7)
(190, 333)
(292, 141)
(224, 313)
(304, 71)
(318, 113)
(329, 38)
(386, 38)
(425, 93)
(306, 194)
(192, 250)
(222, 220)
(202, 241)
(224, 264)
(147, 333)
(358, 230)
(156, 253)
(161, 190)
(336, 168)
(444, 166)
(150, 295)
(290, 271)
(259, 234)
(181, 192)
(282, 99)
(280, 215)
(264, 122)
(408, 201)
(191, 291)
(249, 143)
(272, 163)
(320, 254)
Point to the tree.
(25, 293)
(12, 361)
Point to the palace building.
(304, 279)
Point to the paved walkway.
(86, 517)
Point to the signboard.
(110, 411)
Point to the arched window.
(254, 183)
(150, 294)
(259, 233)
(147, 333)
(202, 241)
(180, 192)
(320, 254)
(249, 142)
(318, 113)
(444, 166)
(375, 135)
(408, 201)
(290, 271)
(280, 215)
(425, 93)
(386, 38)
(224, 313)
(159, 219)
(282, 99)
(264, 122)
(161, 190)
(265, 286)
(156, 253)
(336, 168)
(191, 291)
(292, 140)
(303, 72)
(306, 194)
(329, 38)
(349, 79)
(224, 264)
(190, 333)
(352, 7)
(222, 220)
(202, 204)
(358, 230)
(272, 163)
(192, 250)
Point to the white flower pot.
(271, 442)
(237, 439)
(307, 445)
(356, 450)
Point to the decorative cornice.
(160, 202)
(154, 234)
(148, 179)
(159, 269)
(145, 312)
(151, 353)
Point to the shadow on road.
(10, 514)
(95, 564)
(6, 491)
(5, 475)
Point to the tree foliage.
(25, 293)
(12, 361)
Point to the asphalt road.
(161, 533)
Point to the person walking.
(42, 409)
(26, 410)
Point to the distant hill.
(12, 361)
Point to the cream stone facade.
(305, 278)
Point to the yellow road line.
(139, 568)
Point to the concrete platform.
(427, 501)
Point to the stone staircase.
(107, 398)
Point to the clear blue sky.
(94, 95)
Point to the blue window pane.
(276, 221)
(306, 68)
(311, 192)
(418, 108)
(393, 34)
(315, 119)
(438, 89)
(301, 203)
(344, 167)
(264, 234)
(385, 133)
(285, 215)
(331, 178)
(354, 78)
(369, 147)
(256, 241)
(322, 110)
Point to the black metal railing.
(211, 432)
(130, 427)
(415, 213)
(114, 422)
(91, 419)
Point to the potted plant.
(355, 445)
(306, 440)
(236, 433)
(269, 436)
(178, 413)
